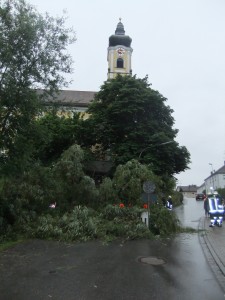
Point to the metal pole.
(169, 142)
(212, 176)
(148, 210)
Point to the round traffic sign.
(148, 187)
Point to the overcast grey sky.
(179, 44)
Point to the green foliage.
(79, 225)
(221, 192)
(33, 55)
(123, 222)
(70, 167)
(129, 120)
(107, 193)
(24, 198)
(167, 184)
(9, 242)
(46, 227)
(87, 192)
(21, 199)
(177, 198)
(128, 181)
(126, 186)
(78, 188)
(163, 222)
(36, 189)
(7, 215)
(82, 223)
(54, 135)
(112, 212)
(130, 230)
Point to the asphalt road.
(164, 269)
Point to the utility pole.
(212, 176)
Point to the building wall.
(201, 189)
(189, 194)
(215, 181)
(221, 181)
(112, 61)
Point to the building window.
(119, 63)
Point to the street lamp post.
(169, 142)
(212, 175)
(211, 166)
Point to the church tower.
(119, 53)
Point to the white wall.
(215, 181)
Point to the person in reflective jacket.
(206, 206)
(169, 203)
(216, 210)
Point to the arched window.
(119, 63)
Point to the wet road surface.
(190, 212)
(166, 269)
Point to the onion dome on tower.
(119, 38)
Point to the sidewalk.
(213, 242)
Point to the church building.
(119, 62)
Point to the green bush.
(110, 212)
(47, 227)
(107, 193)
(222, 193)
(163, 222)
(123, 222)
(83, 224)
(78, 225)
(177, 198)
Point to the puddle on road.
(152, 260)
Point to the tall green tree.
(128, 119)
(54, 134)
(33, 55)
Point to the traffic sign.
(148, 187)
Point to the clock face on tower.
(120, 52)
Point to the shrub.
(129, 178)
(107, 193)
(221, 192)
(123, 222)
(163, 222)
(78, 225)
(177, 198)
(110, 212)
(83, 224)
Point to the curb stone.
(211, 244)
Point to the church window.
(119, 63)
